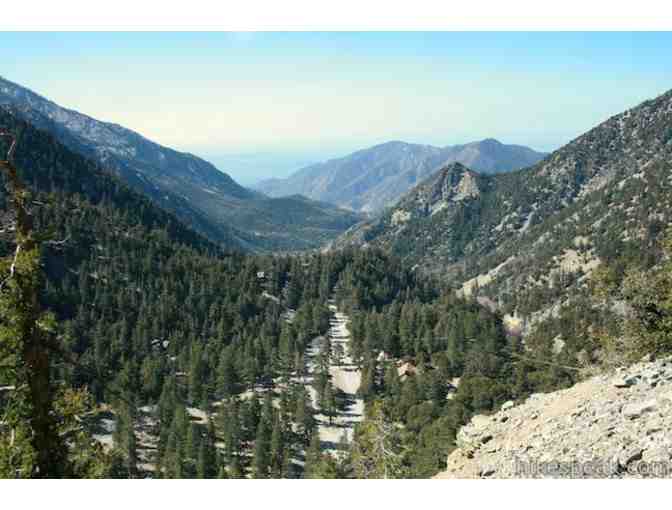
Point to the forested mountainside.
(183, 361)
(199, 194)
(528, 240)
(371, 179)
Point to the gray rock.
(656, 454)
(653, 429)
(637, 409)
(630, 455)
(593, 421)
(625, 382)
(480, 421)
(487, 471)
(508, 405)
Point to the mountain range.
(202, 196)
(531, 238)
(371, 179)
(167, 334)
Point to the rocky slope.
(371, 179)
(432, 206)
(610, 426)
(200, 195)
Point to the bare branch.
(12, 147)
(57, 243)
(12, 268)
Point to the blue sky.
(262, 104)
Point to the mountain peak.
(450, 187)
(490, 142)
(608, 177)
(454, 182)
(454, 167)
(372, 179)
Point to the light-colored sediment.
(346, 376)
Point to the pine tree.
(124, 437)
(303, 415)
(378, 450)
(235, 470)
(313, 457)
(328, 403)
(277, 449)
(33, 448)
(207, 454)
(261, 451)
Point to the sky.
(260, 104)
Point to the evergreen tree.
(303, 415)
(313, 458)
(261, 459)
(207, 454)
(34, 449)
(277, 450)
(378, 447)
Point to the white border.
(334, 15)
(331, 495)
(244, 15)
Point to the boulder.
(629, 455)
(625, 382)
(637, 409)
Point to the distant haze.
(370, 179)
(250, 168)
(308, 94)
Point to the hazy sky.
(276, 100)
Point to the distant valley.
(198, 193)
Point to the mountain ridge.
(371, 179)
(193, 189)
(603, 195)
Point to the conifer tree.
(328, 403)
(378, 447)
(207, 454)
(277, 449)
(261, 451)
(313, 457)
(303, 415)
(33, 448)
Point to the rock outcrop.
(610, 426)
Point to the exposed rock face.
(610, 426)
(453, 184)
(431, 217)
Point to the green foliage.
(157, 316)
(646, 327)
(378, 449)
(36, 427)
